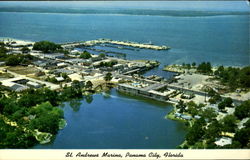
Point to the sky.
(166, 5)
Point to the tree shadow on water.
(75, 104)
(89, 99)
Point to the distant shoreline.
(129, 11)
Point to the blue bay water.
(218, 39)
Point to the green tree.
(204, 67)
(219, 71)
(209, 114)
(108, 76)
(77, 84)
(213, 131)
(229, 123)
(196, 132)
(89, 84)
(193, 64)
(13, 60)
(47, 119)
(181, 106)
(228, 102)
(188, 66)
(234, 77)
(247, 123)
(3, 51)
(214, 97)
(211, 93)
(192, 108)
(25, 49)
(244, 77)
(243, 136)
(222, 105)
(85, 55)
(46, 46)
(102, 55)
(243, 110)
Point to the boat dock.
(109, 41)
(119, 54)
(119, 47)
(148, 92)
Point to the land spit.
(109, 41)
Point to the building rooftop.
(223, 141)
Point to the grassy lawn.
(23, 70)
(6, 75)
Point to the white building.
(223, 141)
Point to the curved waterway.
(117, 121)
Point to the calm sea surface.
(218, 39)
(118, 121)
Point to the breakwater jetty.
(106, 52)
(109, 41)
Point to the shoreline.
(16, 39)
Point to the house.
(53, 56)
(33, 84)
(18, 87)
(62, 64)
(19, 80)
(74, 51)
(95, 58)
(45, 64)
(177, 114)
(14, 52)
(2, 63)
(223, 141)
(75, 76)
(14, 86)
(57, 71)
(186, 117)
(197, 117)
(214, 106)
(59, 79)
(118, 66)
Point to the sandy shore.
(18, 41)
